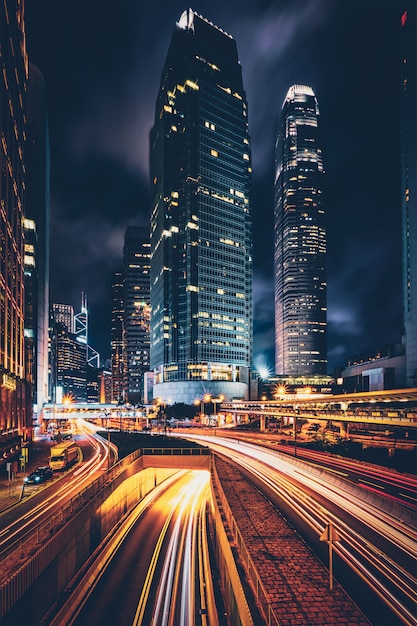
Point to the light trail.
(176, 593)
(300, 486)
(25, 525)
(171, 521)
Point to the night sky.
(102, 63)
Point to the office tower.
(299, 239)
(93, 384)
(117, 337)
(105, 386)
(37, 236)
(201, 264)
(15, 393)
(71, 359)
(136, 311)
(64, 314)
(409, 187)
(81, 332)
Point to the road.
(397, 487)
(379, 547)
(24, 525)
(156, 571)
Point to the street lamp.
(198, 402)
(206, 400)
(215, 401)
(106, 417)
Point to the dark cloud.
(102, 62)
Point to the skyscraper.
(117, 337)
(136, 311)
(299, 239)
(64, 314)
(37, 235)
(70, 355)
(15, 394)
(409, 187)
(201, 264)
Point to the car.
(39, 475)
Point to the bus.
(63, 455)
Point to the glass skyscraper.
(117, 337)
(136, 312)
(299, 239)
(409, 187)
(201, 263)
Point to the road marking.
(372, 484)
(404, 495)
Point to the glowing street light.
(215, 401)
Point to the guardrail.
(260, 592)
(44, 529)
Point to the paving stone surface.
(295, 580)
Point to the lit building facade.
(71, 363)
(299, 239)
(15, 389)
(409, 187)
(117, 337)
(201, 242)
(136, 311)
(64, 314)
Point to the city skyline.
(99, 140)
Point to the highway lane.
(160, 573)
(399, 488)
(24, 523)
(378, 547)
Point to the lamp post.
(198, 402)
(206, 400)
(295, 435)
(216, 401)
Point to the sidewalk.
(11, 491)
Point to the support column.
(344, 430)
(262, 420)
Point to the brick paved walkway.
(296, 581)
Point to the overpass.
(394, 408)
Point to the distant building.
(81, 332)
(76, 363)
(105, 387)
(15, 387)
(64, 314)
(201, 265)
(277, 387)
(409, 186)
(93, 384)
(117, 336)
(384, 370)
(136, 312)
(299, 239)
(71, 364)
